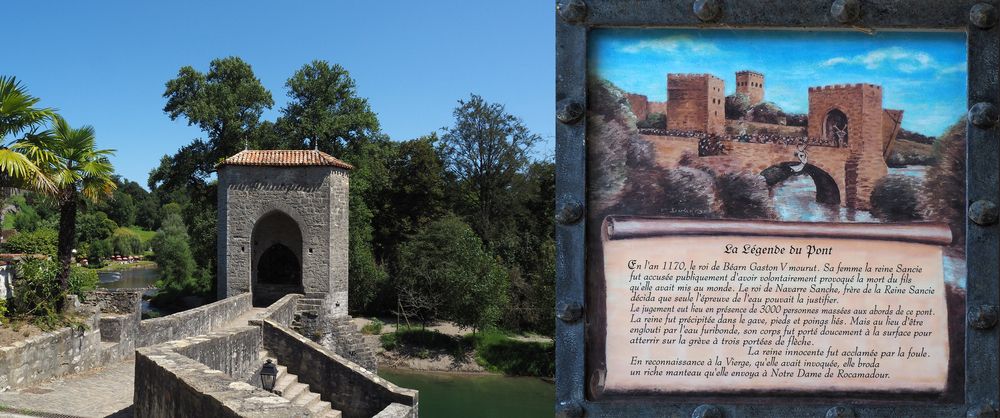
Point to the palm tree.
(22, 144)
(78, 170)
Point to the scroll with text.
(718, 306)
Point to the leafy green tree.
(40, 241)
(896, 198)
(20, 132)
(79, 171)
(124, 241)
(737, 105)
(173, 257)
(945, 185)
(445, 272)
(767, 112)
(94, 226)
(324, 110)
(415, 195)
(486, 148)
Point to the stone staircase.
(337, 333)
(288, 386)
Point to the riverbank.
(141, 264)
(444, 347)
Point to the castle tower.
(697, 102)
(751, 83)
(851, 116)
(282, 227)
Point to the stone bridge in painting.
(855, 133)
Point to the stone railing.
(170, 384)
(328, 374)
(282, 311)
(197, 321)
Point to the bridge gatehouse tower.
(851, 116)
(283, 227)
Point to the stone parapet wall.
(397, 411)
(233, 351)
(169, 384)
(349, 387)
(52, 354)
(197, 321)
(282, 311)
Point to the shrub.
(94, 226)
(737, 105)
(389, 341)
(683, 191)
(744, 196)
(896, 198)
(372, 328)
(945, 184)
(40, 241)
(499, 353)
(81, 281)
(767, 112)
(653, 121)
(36, 291)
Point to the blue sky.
(922, 73)
(104, 63)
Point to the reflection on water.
(795, 200)
(131, 279)
(444, 395)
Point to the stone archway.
(276, 263)
(827, 190)
(836, 128)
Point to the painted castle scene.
(787, 126)
(780, 125)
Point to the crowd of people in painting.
(714, 144)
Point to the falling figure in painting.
(803, 159)
(840, 132)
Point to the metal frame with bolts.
(978, 18)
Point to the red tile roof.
(285, 158)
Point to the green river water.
(447, 395)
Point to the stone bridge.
(856, 134)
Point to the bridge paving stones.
(101, 392)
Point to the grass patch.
(372, 328)
(143, 234)
(494, 350)
(499, 353)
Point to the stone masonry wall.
(639, 104)
(233, 351)
(697, 102)
(169, 384)
(52, 354)
(347, 386)
(316, 198)
(197, 321)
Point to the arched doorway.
(827, 191)
(276, 268)
(835, 128)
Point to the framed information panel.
(771, 208)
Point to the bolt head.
(707, 411)
(984, 115)
(569, 409)
(983, 317)
(569, 111)
(572, 11)
(846, 11)
(568, 210)
(707, 10)
(983, 212)
(983, 15)
(840, 412)
(569, 312)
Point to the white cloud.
(670, 45)
(957, 68)
(904, 60)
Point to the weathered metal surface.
(977, 18)
(568, 210)
(569, 311)
(846, 11)
(707, 10)
(983, 317)
(984, 115)
(840, 412)
(983, 212)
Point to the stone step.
(305, 398)
(333, 414)
(318, 406)
(285, 381)
(294, 390)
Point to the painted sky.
(104, 63)
(922, 73)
